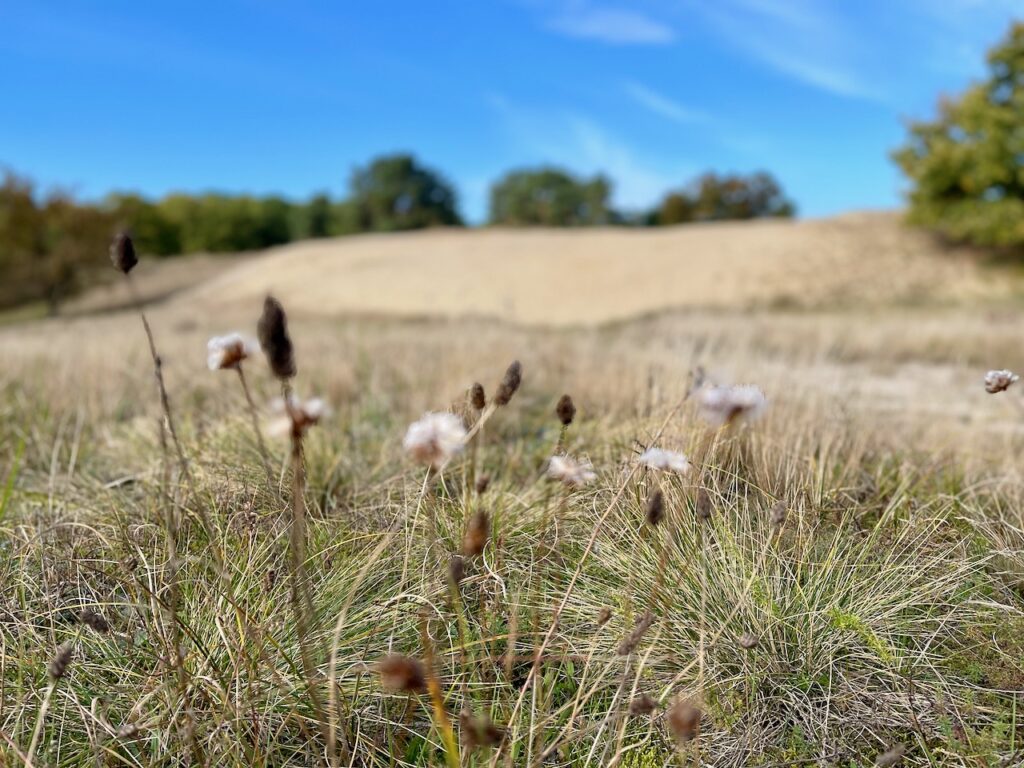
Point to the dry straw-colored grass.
(837, 581)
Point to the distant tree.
(75, 239)
(966, 168)
(395, 192)
(739, 197)
(312, 219)
(152, 231)
(21, 239)
(676, 208)
(549, 197)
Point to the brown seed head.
(892, 756)
(747, 642)
(603, 616)
(684, 721)
(272, 330)
(655, 508)
(632, 640)
(122, 253)
(456, 570)
(478, 732)
(477, 533)
(402, 673)
(509, 383)
(778, 513)
(703, 505)
(477, 396)
(59, 663)
(643, 704)
(128, 731)
(483, 483)
(565, 410)
(94, 620)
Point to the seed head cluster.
(572, 472)
(999, 381)
(435, 438)
(402, 673)
(227, 352)
(272, 330)
(509, 384)
(122, 253)
(565, 410)
(729, 405)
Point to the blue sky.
(287, 97)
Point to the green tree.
(966, 167)
(395, 192)
(549, 197)
(152, 231)
(725, 197)
(676, 208)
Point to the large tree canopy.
(549, 197)
(966, 167)
(395, 192)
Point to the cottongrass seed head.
(435, 439)
(478, 732)
(61, 660)
(665, 461)
(633, 639)
(477, 532)
(727, 405)
(292, 417)
(402, 673)
(644, 704)
(655, 512)
(477, 396)
(122, 253)
(604, 616)
(228, 351)
(509, 383)
(999, 381)
(272, 330)
(892, 756)
(572, 472)
(684, 721)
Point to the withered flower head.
(632, 640)
(892, 756)
(402, 673)
(572, 472)
(703, 505)
(294, 416)
(665, 461)
(478, 732)
(122, 253)
(643, 704)
(684, 721)
(59, 663)
(483, 483)
(603, 616)
(656, 508)
(778, 513)
(724, 405)
(272, 330)
(477, 533)
(747, 642)
(456, 570)
(227, 352)
(565, 410)
(435, 438)
(477, 396)
(509, 383)
(999, 381)
(94, 620)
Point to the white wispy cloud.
(582, 145)
(617, 26)
(663, 105)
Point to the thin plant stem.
(254, 416)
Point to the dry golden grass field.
(835, 583)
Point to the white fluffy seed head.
(435, 439)
(665, 461)
(295, 416)
(570, 471)
(722, 405)
(999, 381)
(228, 351)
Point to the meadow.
(832, 577)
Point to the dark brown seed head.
(122, 253)
(272, 330)
(603, 616)
(509, 383)
(483, 483)
(477, 396)
(632, 640)
(656, 508)
(477, 533)
(402, 673)
(892, 756)
(703, 505)
(94, 620)
(456, 570)
(565, 410)
(59, 663)
(747, 642)
(478, 732)
(778, 513)
(643, 704)
(684, 721)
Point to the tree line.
(49, 243)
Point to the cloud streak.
(615, 26)
(662, 105)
